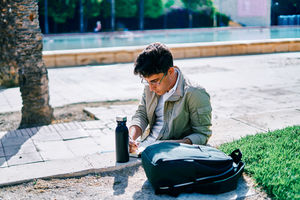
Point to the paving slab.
(107, 161)
(15, 141)
(111, 125)
(55, 168)
(106, 140)
(19, 149)
(59, 127)
(1, 152)
(273, 120)
(111, 112)
(11, 133)
(97, 124)
(83, 146)
(54, 150)
(228, 130)
(73, 134)
(95, 132)
(73, 125)
(21, 133)
(46, 136)
(3, 162)
(22, 159)
(2, 134)
(51, 128)
(28, 131)
(44, 130)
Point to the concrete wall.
(246, 12)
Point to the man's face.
(159, 83)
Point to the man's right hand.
(134, 133)
(133, 145)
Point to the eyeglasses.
(143, 81)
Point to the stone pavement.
(58, 150)
(249, 94)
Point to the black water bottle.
(122, 140)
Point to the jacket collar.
(180, 87)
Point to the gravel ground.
(129, 183)
(73, 112)
(124, 184)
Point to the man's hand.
(185, 141)
(133, 145)
(134, 133)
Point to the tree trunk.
(141, 14)
(190, 15)
(8, 64)
(33, 76)
(190, 19)
(166, 20)
(46, 18)
(81, 22)
(112, 15)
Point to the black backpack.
(173, 168)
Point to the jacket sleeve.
(200, 116)
(140, 117)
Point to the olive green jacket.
(187, 113)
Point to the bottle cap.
(121, 118)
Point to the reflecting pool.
(170, 36)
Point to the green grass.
(273, 160)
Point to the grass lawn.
(273, 160)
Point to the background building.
(246, 12)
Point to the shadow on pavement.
(147, 192)
(242, 191)
(16, 145)
(121, 178)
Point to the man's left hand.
(185, 141)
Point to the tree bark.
(8, 64)
(33, 76)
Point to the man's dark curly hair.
(156, 58)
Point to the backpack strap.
(236, 156)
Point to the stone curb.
(62, 58)
(42, 170)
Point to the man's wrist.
(187, 141)
(131, 138)
(134, 132)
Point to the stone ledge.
(63, 58)
(67, 168)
